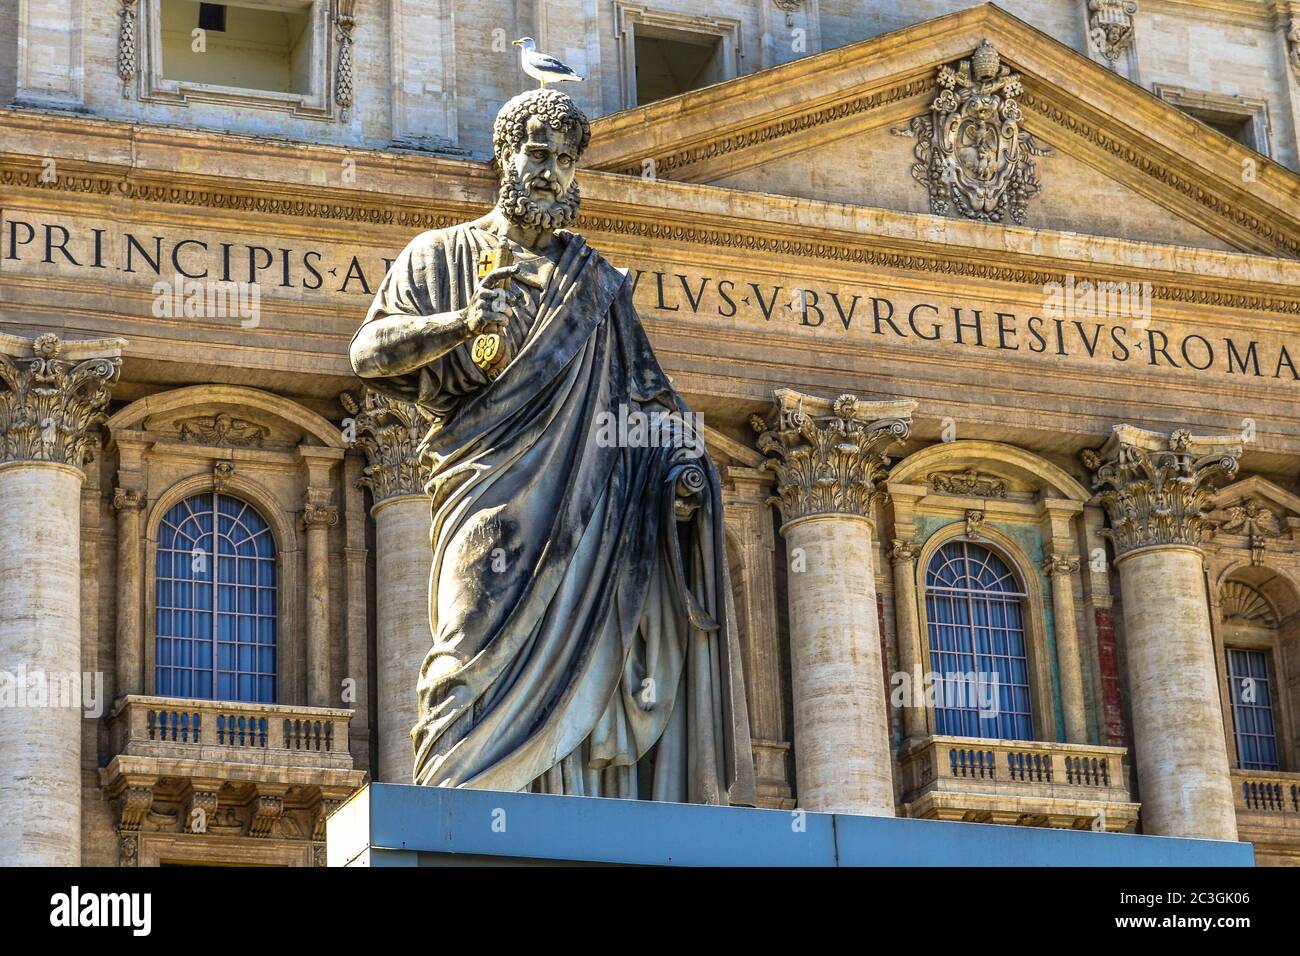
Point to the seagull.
(542, 66)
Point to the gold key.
(488, 351)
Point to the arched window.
(1250, 623)
(215, 606)
(977, 644)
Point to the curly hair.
(554, 108)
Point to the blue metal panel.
(391, 824)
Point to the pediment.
(1256, 507)
(843, 126)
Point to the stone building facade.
(989, 311)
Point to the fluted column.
(830, 463)
(317, 519)
(52, 394)
(1156, 490)
(907, 624)
(389, 433)
(1061, 569)
(129, 503)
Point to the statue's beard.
(520, 207)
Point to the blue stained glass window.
(975, 608)
(215, 544)
(1251, 686)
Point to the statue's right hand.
(491, 305)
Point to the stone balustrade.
(1268, 814)
(232, 732)
(1019, 782)
(236, 782)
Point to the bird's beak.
(516, 43)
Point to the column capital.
(1060, 565)
(904, 551)
(829, 456)
(318, 515)
(1156, 488)
(128, 499)
(52, 393)
(389, 432)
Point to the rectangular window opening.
(671, 62)
(267, 47)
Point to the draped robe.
(582, 639)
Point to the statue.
(582, 640)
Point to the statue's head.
(537, 140)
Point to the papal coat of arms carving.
(972, 153)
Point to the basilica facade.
(988, 312)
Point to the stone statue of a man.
(578, 598)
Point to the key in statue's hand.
(488, 320)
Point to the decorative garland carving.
(49, 405)
(126, 53)
(828, 464)
(1156, 489)
(222, 430)
(972, 154)
(389, 431)
(1110, 26)
(345, 21)
(970, 483)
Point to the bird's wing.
(544, 61)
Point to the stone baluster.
(52, 393)
(389, 433)
(830, 463)
(1156, 491)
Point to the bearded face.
(538, 185)
(528, 200)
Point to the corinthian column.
(829, 460)
(389, 432)
(51, 394)
(1156, 490)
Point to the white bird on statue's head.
(542, 67)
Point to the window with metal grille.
(215, 602)
(974, 606)
(1251, 687)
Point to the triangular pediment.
(1266, 505)
(842, 126)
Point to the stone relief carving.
(1110, 26)
(1242, 604)
(345, 21)
(1060, 564)
(1156, 489)
(974, 523)
(222, 430)
(970, 483)
(972, 153)
(48, 405)
(1256, 522)
(126, 53)
(389, 432)
(828, 464)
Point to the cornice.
(755, 233)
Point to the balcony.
(978, 780)
(252, 783)
(1268, 815)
